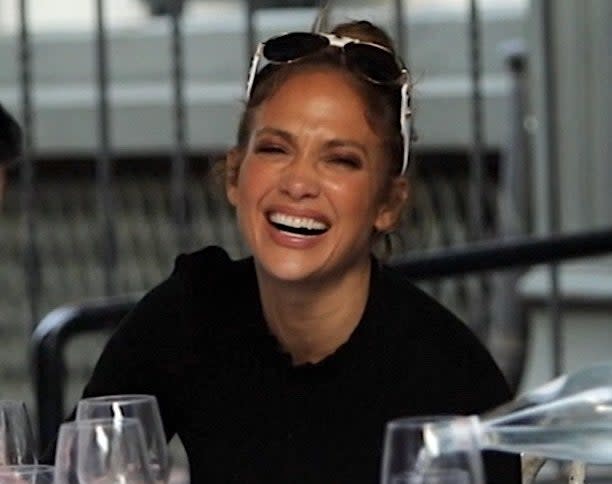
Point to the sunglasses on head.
(373, 62)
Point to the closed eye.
(347, 161)
(269, 149)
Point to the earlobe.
(391, 210)
(232, 166)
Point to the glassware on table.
(146, 410)
(26, 474)
(448, 476)
(16, 437)
(406, 459)
(577, 427)
(107, 451)
(588, 378)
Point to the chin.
(289, 271)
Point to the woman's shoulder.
(443, 342)
(197, 277)
(413, 306)
(413, 314)
(211, 259)
(210, 269)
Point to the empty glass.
(26, 474)
(105, 451)
(145, 409)
(407, 460)
(16, 438)
(447, 476)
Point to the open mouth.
(297, 225)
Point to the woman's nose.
(299, 179)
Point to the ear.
(232, 168)
(391, 208)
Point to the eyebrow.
(339, 142)
(275, 131)
(347, 142)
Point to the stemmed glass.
(16, 438)
(144, 408)
(26, 474)
(102, 451)
(408, 460)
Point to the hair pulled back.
(383, 102)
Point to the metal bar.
(104, 162)
(401, 38)
(27, 172)
(179, 162)
(507, 328)
(250, 31)
(477, 155)
(506, 254)
(55, 330)
(552, 171)
(477, 307)
(48, 343)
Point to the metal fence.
(108, 234)
(469, 220)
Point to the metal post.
(27, 171)
(400, 26)
(179, 162)
(477, 161)
(250, 31)
(552, 172)
(477, 306)
(103, 166)
(508, 323)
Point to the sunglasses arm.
(405, 122)
(253, 69)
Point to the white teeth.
(297, 222)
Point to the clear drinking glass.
(26, 474)
(447, 476)
(145, 409)
(407, 460)
(16, 437)
(104, 451)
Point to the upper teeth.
(297, 222)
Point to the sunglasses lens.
(374, 63)
(289, 47)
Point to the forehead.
(327, 95)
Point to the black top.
(245, 414)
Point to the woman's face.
(312, 182)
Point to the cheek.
(252, 184)
(359, 199)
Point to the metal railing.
(47, 347)
(93, 238)
(99, 242)
(55, 330)
(180, 170)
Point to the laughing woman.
(285, 366)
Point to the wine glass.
(16, 438)
(102, 451)
(145, 409)
(408, 460)
(26, 474)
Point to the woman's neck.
(311, 321)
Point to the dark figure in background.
(10, 145)
(285, 366)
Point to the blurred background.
(128, 105)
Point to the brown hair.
(383, 101)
